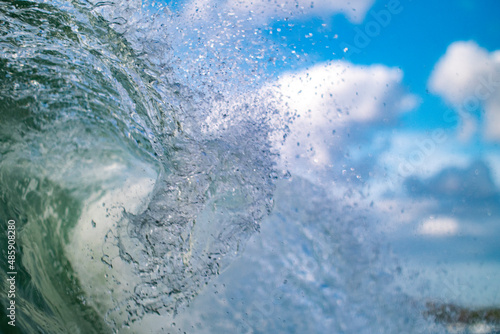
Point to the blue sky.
(410, 121)
(413, 40)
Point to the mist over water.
(142, 156)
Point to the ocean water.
(148, 194)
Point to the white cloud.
(492, 109)
(439, 226)
(328, 99)
(345, 91)
(422, 154)
(493, 160)
(468, 78)
(264, 10)
(456, 75)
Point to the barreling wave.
(135, 182)
(81, 107)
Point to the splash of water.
(137, 177)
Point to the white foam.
(94, 236)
